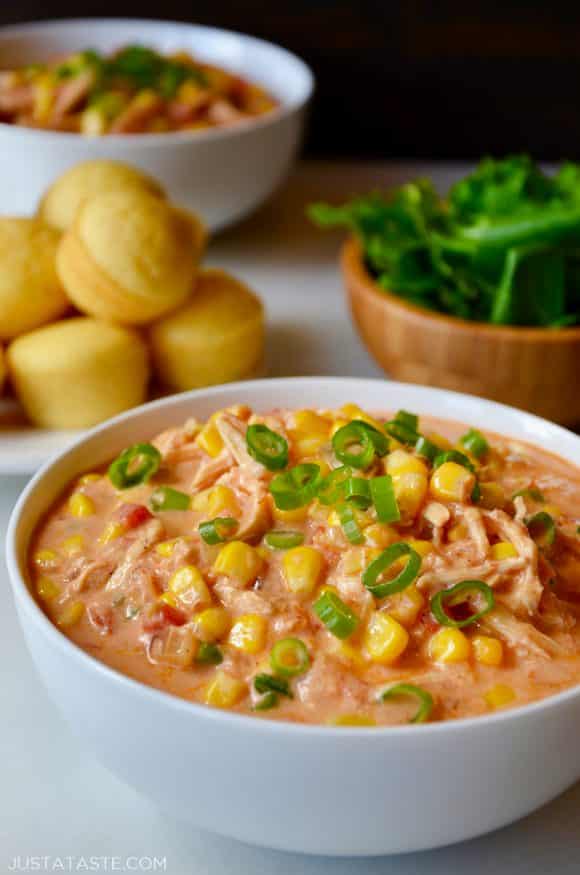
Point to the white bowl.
(348, 790)
(222, 174)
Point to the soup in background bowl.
(383, 630)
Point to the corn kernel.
(423, 548)
(553, 510)
(222, 498)
(499, 695)
(353, 411)
(302, 568)
(169, 598)
(209, 439)
(190, 587)
(290, 516)
(70, 615)
(45, 558)
(308, 433)
(354, 561)
(249, 633)
(406, 606)
(385, 639)
(225, 691)
(491, 495)
(410, 491)
(240, 561)
(352, 720)
(47, 589)
(451, 482)
(212, 624)
(80, 505)
(380, 535)
(449, 645)
(345, 652)
(166, 548)
(488, 651)
(401, 462)
(111, 532)
(442, 442)
(72, 545)
(503, 550)
(91, 477)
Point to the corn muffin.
(130, 257)
(216, 337)
(61, 202)
(2, 369)
(77, 372)
(30, 290)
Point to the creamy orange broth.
(102, 566)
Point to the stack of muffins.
(104, 288)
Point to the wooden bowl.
(536, 369)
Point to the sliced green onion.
(357, 491)
(453, 456)
(296, 487)
(289, 657)
(267, 702)
(349, 524)
(267, 447)
(336, 616)
(425, 699)
(380, 440)
(542, 528)
(167, 498)
(330, 489)
(384, 499)
(379, 565)
(404, 427)
(267, 683)
(532, 493)
(209, 654)
(475, 443)
(217, 531)
(135, 465)
(409, 420)
(456, 595)
(284, 540)
(426, 448)
(350, 436)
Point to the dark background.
(448, 79)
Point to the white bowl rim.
(283, 727)
(285, 109)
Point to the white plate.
(23, 448)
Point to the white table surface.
(57, 803)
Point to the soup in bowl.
(347, 595)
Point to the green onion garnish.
(336, 616)
(346, 441)
(270, 700)
(330, 489)
(532, 493)
(426, 448)
(350, 527)
(267, 447)
(209, 654)
(384, 500)
(166, 498)
(296, 487)
(475, 443)
(542, 528)
(216, 531)
(425, 699)
(404, 427)
(283, 540)
(267, 683)
(289, 657)
(453, 456)
(380, 440)
(409, 420)
(379, 565)
(135, 465)
(459, 594)
(357, 491)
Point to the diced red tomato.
(161, 615)
(132, 515)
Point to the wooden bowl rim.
(354, 268)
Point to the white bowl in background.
(220, 173)
(347, 790)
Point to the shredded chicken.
(211, 469)
(522, 636)
(526, 590)
(437, 515)
(147, 535)
(242, 601)
(233, 433)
